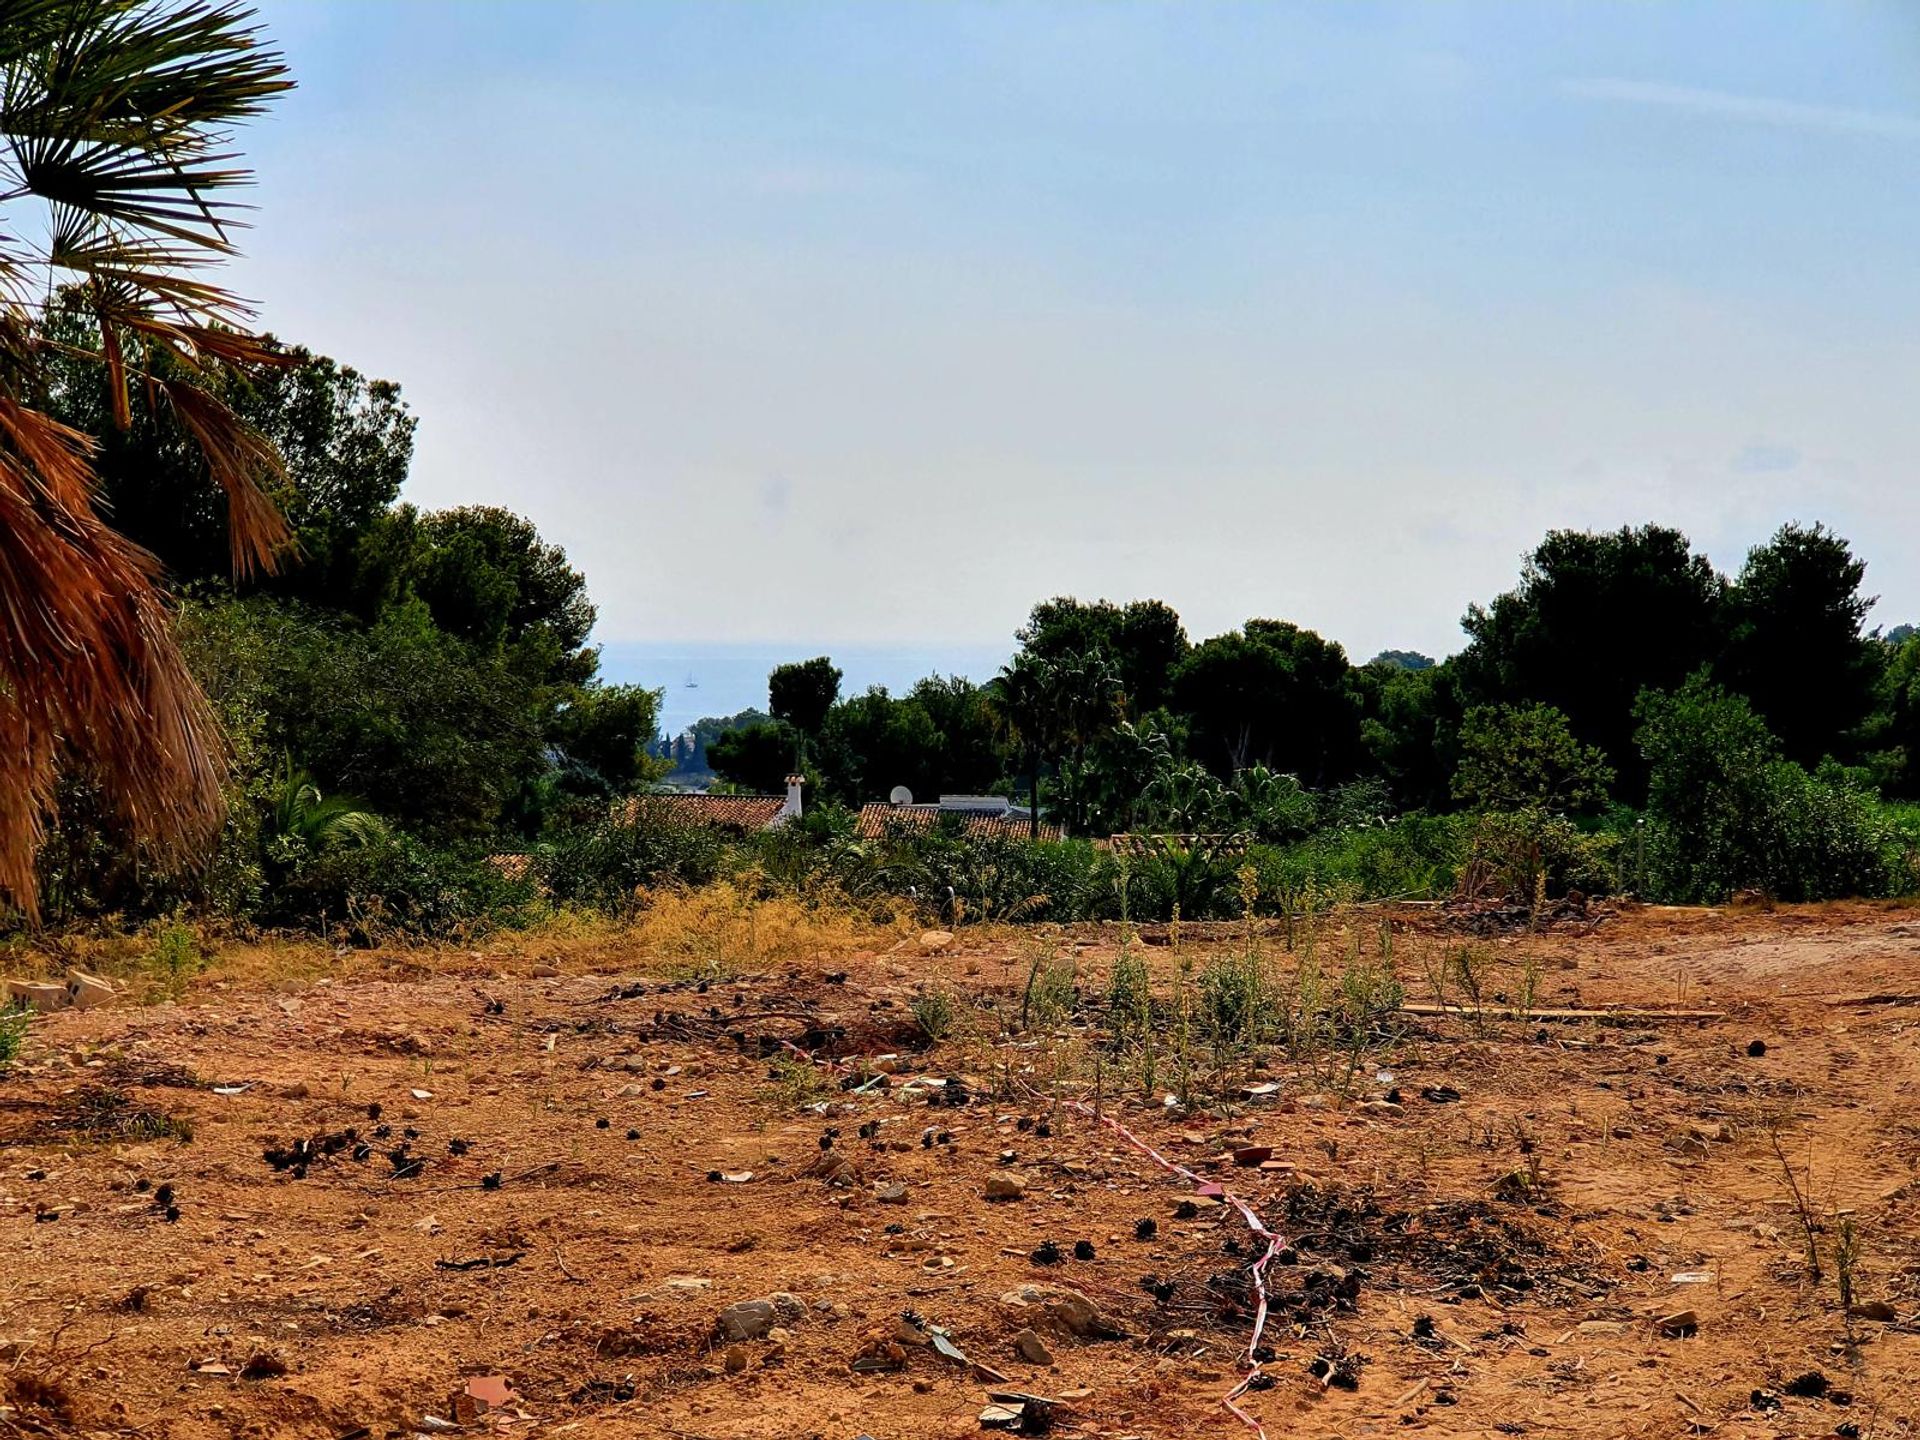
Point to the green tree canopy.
(1596, 619)
(1794, 644)
(1521, 757)
(1275, 694)
(756, 759)
(1143, 640)
(802, 693)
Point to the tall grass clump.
(15, 1021)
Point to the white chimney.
(791, 810)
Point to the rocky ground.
(555, 1193)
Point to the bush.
(606, 864)
(1525, 757)
(1726, 813)
(1413, 855)
(1518, 855)
(403, 888)
(15, 1021)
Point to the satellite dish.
(901, 795)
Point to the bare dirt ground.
(548, 1193)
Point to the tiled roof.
(880, 819)
(723, 812)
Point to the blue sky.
(871, 324)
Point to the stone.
(1678, 1325)
(544, 972)
(1602, 1327)
(736, 1359)
(1065, 1310)
(932, 942)
(747, 1319)
(1876, 1310)
(41, 995)
(790, 1309)
(688, 1284)
(894, 1194)
(1005, 1186)
(84, 991)
(1032, 1348)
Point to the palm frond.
(240, 459)
(89, 673)
(115, 114)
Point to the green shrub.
(603, 866)
(176, 956)
(1726, 813)
(1522, 854)
(15, 1021)
(1414, 855)
(402, 888)
(933, 1011)
(1526, 757)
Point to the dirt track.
(1458, 1298)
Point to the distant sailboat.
(692, 684)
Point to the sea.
(698, 680)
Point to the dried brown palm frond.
(113, 117)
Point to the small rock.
(1678, 1325)
(1602, 1327)
(736, 1359)
(790, 1309)
(1005, 1186)
(747, 1319)
(1032, 1348)
(40, 995)
(687, 1284)
(544, 972)
(932, 942)
(894, 1194)
(85, 991)
(1877, 1310)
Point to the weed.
(1129, 1002)
(1232, 999)
(1803, 1208)
(14, 1023)
(176, 956)
(1050, 991)
(1846, 1261)
(797, 1083)
(934, 1012)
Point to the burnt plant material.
(101, 1115)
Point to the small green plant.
(14, 1023)
(1128, 999)
(1049, 995)
(176, 956)
(934, 1012)
(1846, 1260)
(797, 1083)
(1232, 1001)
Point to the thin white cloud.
(1753, 109)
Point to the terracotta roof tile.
(879, 819)
(723, 812)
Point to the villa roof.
(880, 819)
(722, 812)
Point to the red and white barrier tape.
(1275, 1243)
(1274, 1246)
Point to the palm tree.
(301, 816)
(114, 119)
(1022, 700)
